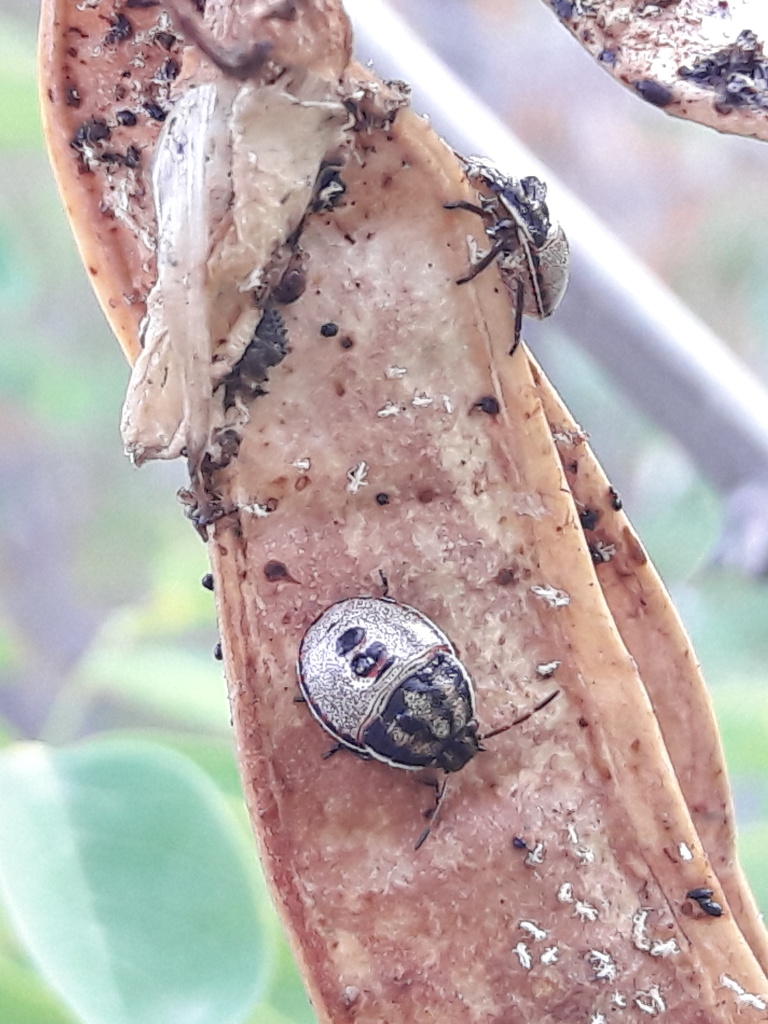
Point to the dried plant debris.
(327, 300)
(693, 58)
(738, 74)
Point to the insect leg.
(477, 268)
(333, 750)
(462, 204)
(432, 812)
(518, 316)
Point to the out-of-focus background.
(103, 623)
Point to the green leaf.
(286, 992)
(180, 685)
(753, 841)
(742, 716)
(128, 883)
(23, 997)
(19, 117)
(215, 755)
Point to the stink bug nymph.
(386, 683)
(530, 245)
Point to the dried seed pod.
(484, 535)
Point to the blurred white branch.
(669, 362)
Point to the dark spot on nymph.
(276, 571)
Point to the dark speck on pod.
(165, 39)
(217, 652)
(207, 581)
(121, 30)
(168, 71)
(588, 518)
(488, 404)
(329, 189)
(699, 894)
(291, 285)
(519, 844)
(563, 8)
(704, 899)
(276, 571)
(155, 111)
(654, 92)
(382, 499)
(90, 132)
(329, 330)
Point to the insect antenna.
(523, 718)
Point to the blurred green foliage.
(105, 632)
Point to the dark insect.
(385, 682)
(704, 899)
(531, 247)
